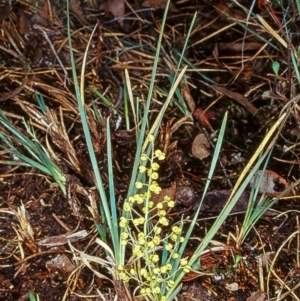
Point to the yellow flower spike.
(175, 255)
(181, 239)
(124, 242)
(156, 290)
(163, 298)
(150, 204)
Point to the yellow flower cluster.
(142, 228)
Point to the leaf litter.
(230, 69)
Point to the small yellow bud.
(169, 266)
(154, 166)
(124, 235)
(171, 204)
(183, 262)
(138, 185)
(169, 246)
(187, 269)
(126, 207)
(155, 258)
(151, 138)
(154, 176)
(142, 169)
(144, 157)
(171, 283)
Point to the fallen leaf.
(203, 117)
(232, 286)
(200, 147)
(115, 7)
(269, 183)
(47, 10)
(60, 265)
(225, 11)
(257, 296)
(159, 4)
(235, 96)
(77, 11)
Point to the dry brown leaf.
(77, 11)
(238, 47)
(228, 12)
(47, 10)
(60, 265)
(200, 147)
(159, 4)
(257, 296)
(115, 7)
(235, 96)
(271, 184)
(203, 117)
